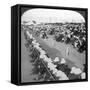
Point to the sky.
(51, 16)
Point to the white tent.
(51, 16)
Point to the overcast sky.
(51, 16)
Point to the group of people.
(59, 70)
(70, 33)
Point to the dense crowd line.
(70, 33)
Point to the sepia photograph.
(53, 45)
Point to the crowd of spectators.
(45, 67)
(69, 33)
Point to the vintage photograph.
(53, 45)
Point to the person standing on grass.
(67, 51)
